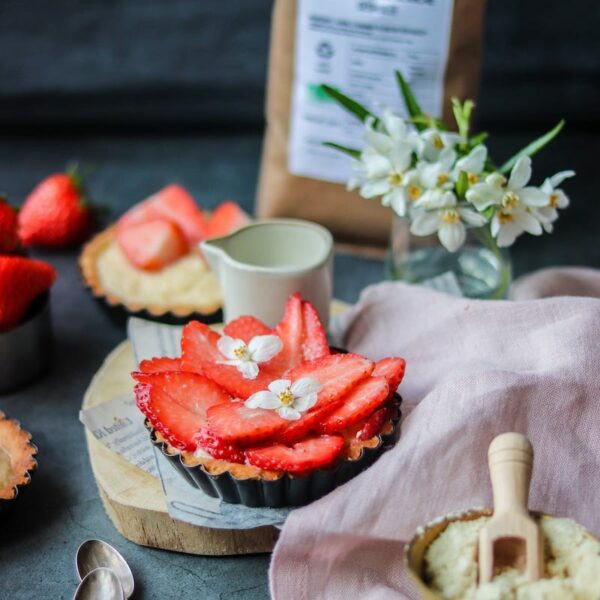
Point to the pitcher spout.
(215, 253)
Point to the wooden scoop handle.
(510, 459)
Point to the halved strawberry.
(177, 425)
(337, 374)
(245, 328)
(375, 422)
(173, 203)
(219, 448)
(315, 342)
(307, 455)
(392, 368)
(226, 218)
(153, 245)
(235, 422)
(359, 403)
(158, 364)
(192, 391)
(198, 345)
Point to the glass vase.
(479, 268)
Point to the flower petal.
(264, 347)
(482, 195)
(305, 402)
(520, 174)
(474, 161)
(305, 386)
(558, 178)
(394, 124)
(425, 223)
(507, 234)
(374, 187)
(452, 236)
(533, 196)
(289, 413)
(263, 399)
(471, 217)
(279, 385)
(400, 157)
(398, 201)
(528, 222)
(375, 165)
(248, 368)
(228, 345)
(381, 142)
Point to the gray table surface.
(61, 508)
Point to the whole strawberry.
(56, 213)
(8, 227)
(22, 280)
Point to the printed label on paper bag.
(355, 46)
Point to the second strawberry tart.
(269, 417)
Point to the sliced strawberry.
(192, 391)
(392, 369)
(159, 364)
(337, 374)
(219, 448)
(177, 425)
(291, 331)
(315, 343)
(235, 422)
(173, 203)
(307, 455)
(230, 379)
(226, 218)
(375, 422)
(198, 345)
(153, 245)
(359, 403)
(309, 423)
(245, 328)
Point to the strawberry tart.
(149, 261)
(269, 417)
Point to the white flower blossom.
(472, 164)
(514, 199)
(440, 212)
(556, 199)
(435, 141)
(246, 357)
(289, 399)
(437, 175)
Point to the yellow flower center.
(505, 217)
(553, 200)
(242, 353)
(437, 142)
(472, 178)
(450, 217)
(510, 200)
(442, 178)
(414, 192)
(286, 397)
(395, 179)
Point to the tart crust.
(88, 263)
(16, 457)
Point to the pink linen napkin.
(474, 369)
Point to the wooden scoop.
(511, 537)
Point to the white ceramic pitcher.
(262, 264)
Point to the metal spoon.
(96, 553)
(99, 584)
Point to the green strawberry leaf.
(534, 147)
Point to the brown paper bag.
(352, 219)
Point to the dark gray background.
(153, 92)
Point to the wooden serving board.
(134, 500)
